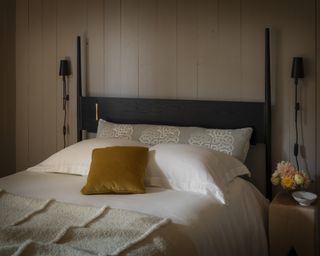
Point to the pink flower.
(286, 169)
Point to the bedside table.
(292, 226)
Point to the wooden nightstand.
(292, 226)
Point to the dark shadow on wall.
(7, 87)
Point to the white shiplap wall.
(206, 49)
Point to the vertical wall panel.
(3, 85)
(208, 50)
(68, 28)
(95, 48)
(113, 16)
(49, 75)
(165, 61)
(219, 46)
(318, 97)
(187, 61)
(62, 52)
(317, 114)
(105, 47)
(302, 17)
(255, 17)
(7, 87)
(147, 48)
(229, 51)
(281, 91)
(22, 114)
(130, 48)
(35, 100)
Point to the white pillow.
(76, 159)
(192, 168)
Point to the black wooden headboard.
(208, 114)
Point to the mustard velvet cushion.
(117, 170)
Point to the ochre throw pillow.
(117, 170)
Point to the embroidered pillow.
(234, 142)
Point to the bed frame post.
(79, 90)
(268, 113)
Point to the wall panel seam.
(176, 66)
(104, 44)
(120, 60)
(317, 99)
(56, 80)
(27, 85)
(42, 82)
(138, 48)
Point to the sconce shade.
(64, 68)
(297, 68)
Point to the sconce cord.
(65, 99)
(64, 128)
(297, 108)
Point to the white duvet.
(213, 228)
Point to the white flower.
(276, 174)
(275, 180)
(298, 179)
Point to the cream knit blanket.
(46, 227)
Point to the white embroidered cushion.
(234, 142)
(193, 169)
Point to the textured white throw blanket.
(47, 227)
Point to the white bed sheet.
(215, 229)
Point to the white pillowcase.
(192, 168)
(76, 159)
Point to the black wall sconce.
(64, 71)
(297, 72)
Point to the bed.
(199, 226)
(226, 218)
